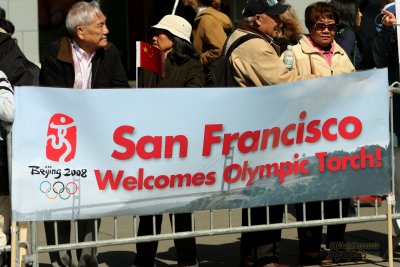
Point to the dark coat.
(16, 66)
(58, 71)
(386, 54)
(347, 39)
(189, 74)
(385, 51)
(14, 63)
(366, 31)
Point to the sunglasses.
(321, 27)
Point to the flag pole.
(137, 70)
(175, 6)
(393, 198)
(137, 62)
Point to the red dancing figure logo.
(61, 138)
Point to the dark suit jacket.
(58, 70)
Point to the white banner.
(95, 153)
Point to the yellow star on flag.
(151, 58)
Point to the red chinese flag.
(150, 57)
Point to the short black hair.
(347, 13)
(7, 25)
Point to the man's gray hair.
(82, 13)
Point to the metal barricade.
(204, 223)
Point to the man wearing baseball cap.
(256, 62)
(270, 7)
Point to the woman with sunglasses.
(318, 53)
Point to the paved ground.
(223, 250)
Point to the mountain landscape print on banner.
(362, 172)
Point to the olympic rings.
(59, 189)
(75, 187)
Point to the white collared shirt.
(82, 66)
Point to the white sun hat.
(176, 25)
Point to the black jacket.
(189, 74)
(347, 39)
(13, 62)
(386, 54)
(58, 71)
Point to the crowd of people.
(87, 60)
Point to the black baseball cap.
(269, 7)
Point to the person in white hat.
(182, 69)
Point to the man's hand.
(389, 19)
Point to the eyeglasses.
(321, 27)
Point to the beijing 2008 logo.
(61, 138)
(60, 147)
